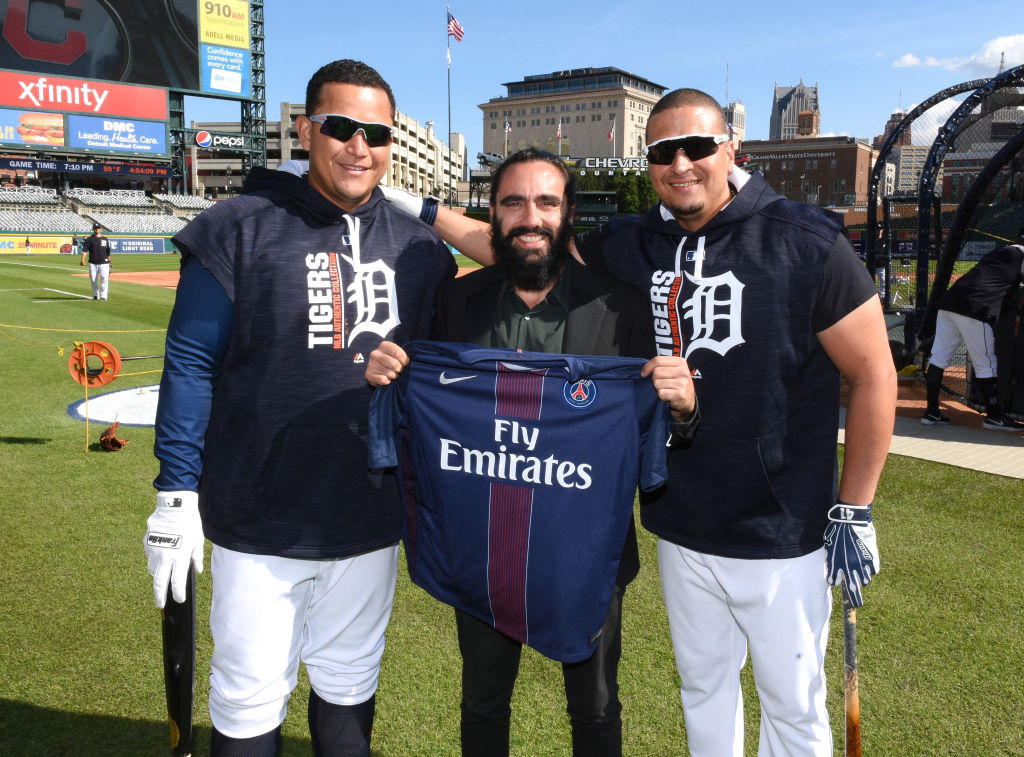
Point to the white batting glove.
(174, 538)
(851, 548)
(424, 208)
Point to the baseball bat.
(852, 688)
(179, 639)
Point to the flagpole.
(448, 141)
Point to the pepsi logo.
(204, 139)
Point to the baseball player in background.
(96, 252)
(262, 419)
(968, 311)
(768, 303)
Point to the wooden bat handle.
(852, 687)
(179, 642)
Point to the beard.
(681, 213)
(530, 274)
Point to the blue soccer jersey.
(518, 473)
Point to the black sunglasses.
(696, 146)
(344, 128)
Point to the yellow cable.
(74, 331)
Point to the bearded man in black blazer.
(538, 298)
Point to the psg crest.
(579, 395)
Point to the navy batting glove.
(852, 551)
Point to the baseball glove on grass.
(109, 440)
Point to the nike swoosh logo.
(445, 380)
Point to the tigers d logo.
(579, 395)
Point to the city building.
(821, 171)
(960, 169)
(582, 112)
(736, 115)
(419, 158)
(787, 104)
(909, 161)
(890, 125)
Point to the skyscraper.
(894, 121)
(787, 105)
(736, 115)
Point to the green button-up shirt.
(538, 329)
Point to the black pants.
(490, 664)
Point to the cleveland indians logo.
(579, 395)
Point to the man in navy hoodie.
(261, 425)
(768, 303)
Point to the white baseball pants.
(950, 328)
(270, 613)
(99, 276)
(719, 605)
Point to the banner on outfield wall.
(11, 243)
(148, 245)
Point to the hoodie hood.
(293, 188)
(752, 195)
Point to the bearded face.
(531, 257)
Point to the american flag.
(611, 133)
(558, 135)
(455, 28)
(508, 127)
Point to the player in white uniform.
(262, 419)
(968, 311)
(767, 300)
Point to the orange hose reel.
(105, 364)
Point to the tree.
(626, 193)
(648, 197)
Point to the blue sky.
(866, 58)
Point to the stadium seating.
(23, 196)
(114, 198)
(121, 211)
(137, 223)
(184, 202)
(44, 221)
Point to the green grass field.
(940, 638)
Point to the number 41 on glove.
(851, 548)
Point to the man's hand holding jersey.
(671, 377)
(385, 363)
(674, 384)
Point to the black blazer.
(606, 317)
